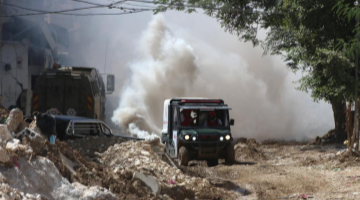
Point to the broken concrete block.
(5, 134)
(149, 181)
(33, 139)
(13, 144)
(14, 120)
(4, 158)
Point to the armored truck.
(197, 129)
(74, 91)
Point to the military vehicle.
(74, 91)
(197, 129)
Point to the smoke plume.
(258, 89)
(166, 67)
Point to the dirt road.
(262, 171)
(286, 171)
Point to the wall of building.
(14, 72)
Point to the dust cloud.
(174, 63)
(166, 67)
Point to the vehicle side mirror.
(110, 83)
(232, 122)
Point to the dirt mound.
(89, 146)
(136, 156)
(246, 150)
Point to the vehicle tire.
(212, 162)
(230, 155)
(183, 157)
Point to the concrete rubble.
(117, 169)
(136, 157)
(4, 134)
(149, 181)
(15, 121)
(24, 178)
(35, 140)
(41, 178)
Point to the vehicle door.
(72, 97)
(54, 93)
(175, 128)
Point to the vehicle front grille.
(208, 137)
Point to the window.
(204, 118)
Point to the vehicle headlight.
(227, 137)
(187, 137)
(193, 138)
(221, 138)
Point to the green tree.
(304, 32)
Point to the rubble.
(13, 145)
(133, 157)
(5, 135)
(149, 181)
(89, 147)
(15, 121)
(4, 157)
(41, 178)
(111, 169)
(34, 127)
(35, 140)
(246, 150)
(7, 192)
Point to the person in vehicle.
(212, 120)
(186, 119)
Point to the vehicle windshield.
(204, 118)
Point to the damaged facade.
(29, 45)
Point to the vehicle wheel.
(212, 162)
(183, 157)
(230, 155)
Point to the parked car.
(71, 127)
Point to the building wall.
(13, 72)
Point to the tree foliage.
(346, 9)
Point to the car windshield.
(204, 118)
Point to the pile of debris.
(165, 181)
(91, 146)
(246, 150)
(32, 168)
(25, 174)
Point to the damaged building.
(30, 43)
